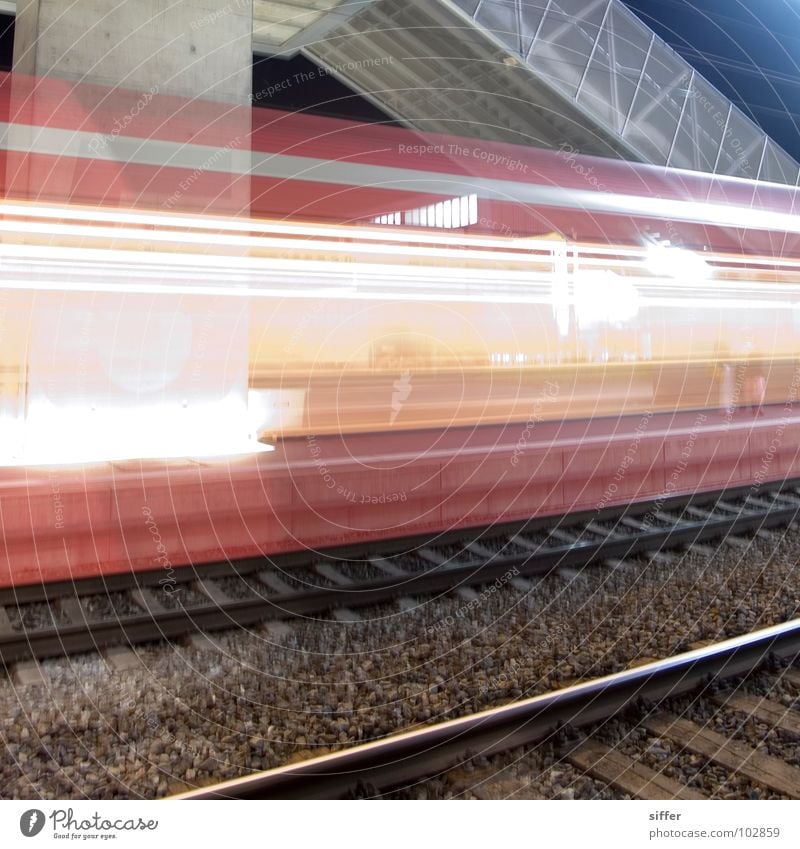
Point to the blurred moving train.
(441, 281)
(174, 271)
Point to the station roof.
(584, 73)
(587, 74)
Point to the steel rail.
(83, 633)
(412, 756)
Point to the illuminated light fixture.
(245, 243)
(663, 260)
(448, 214)
(153, 431)
(170, 221)
(561, 297)
(604, 298)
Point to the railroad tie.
(27, 672)
(72, 607)
(5, 623)
(571, 575)
(213, 591)
(277, 630)
(737, 542)
(275, 583)
(702, 550)
(703, 515)
(738, 757)
(765, 710)
(524, 542)
(665, 557)
(345, 614)
(791, 675)
(623, 565)
(565, 537)
(145, 598)
(481, 550)
(769, 536)
(605, 533)
(433, 557)
(387, 566)
(629, 776)
(465, 594)
(329, 571)
(202, 641)
(121, 658)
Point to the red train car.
(429, 332)
(86, 144)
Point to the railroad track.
(40, 621)
(405, 759)
(648, 770)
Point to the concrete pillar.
(190, 48)
(118, 73)
(110, 375)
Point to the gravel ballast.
(187, 716)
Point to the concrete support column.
(190, 48)
(151, 100)
(126, 82)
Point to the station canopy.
(587, 74)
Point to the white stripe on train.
(165, 154)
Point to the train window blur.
(476, 240)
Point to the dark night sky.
(749, 49)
